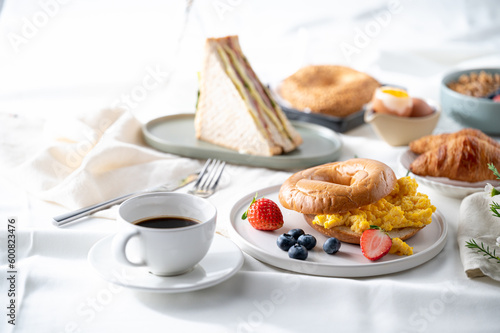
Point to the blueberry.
(308, 241)
(331, 246)
(285, 241)
(297, 252)
(296, 233)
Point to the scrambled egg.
(400, 248)
(403, 207)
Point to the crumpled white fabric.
(477, 222)
(79, 161)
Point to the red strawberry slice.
(264, 214)
(375, 243)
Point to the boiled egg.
(393, 101)
(420, 108)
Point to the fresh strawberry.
(264, 214)
(375, 243)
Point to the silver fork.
(208, 179)
(86, 211)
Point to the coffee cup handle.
(119, 246)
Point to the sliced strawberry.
(264, 214)
(375, 243)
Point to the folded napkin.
(477, 222)
(79, 161)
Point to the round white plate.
(446, 186)
(222, 261)
(348, 262)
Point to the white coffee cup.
(169, 250)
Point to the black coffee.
(166, 222)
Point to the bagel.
(343, 189)
(337, 187)
(333, 90)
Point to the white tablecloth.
(59, 58)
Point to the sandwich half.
(235, 110)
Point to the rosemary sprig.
(472, 244)
(495, 208)
(495, 171)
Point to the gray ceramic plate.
(175, 134)
(480, 113)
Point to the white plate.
(348, 262)
(446, 186)
(222, 261)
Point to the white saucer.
(222, 261)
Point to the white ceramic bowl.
(400, 131)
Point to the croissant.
(464, 158)
(430, 142)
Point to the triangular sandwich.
(235, 110)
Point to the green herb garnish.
(495, 209)
(472, 244)
(495, 171)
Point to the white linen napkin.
(76, 162)
(477, 222)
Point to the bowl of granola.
(472, 97)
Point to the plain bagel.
(337, 187)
